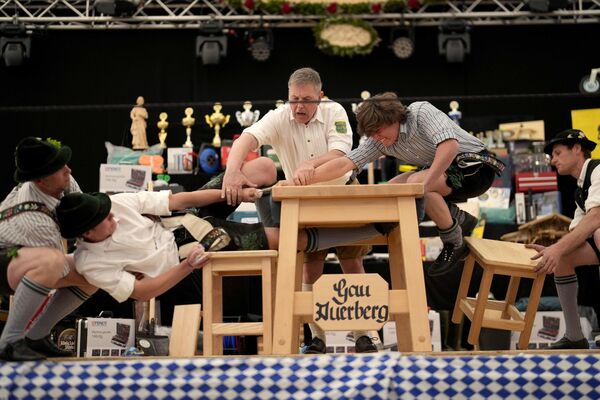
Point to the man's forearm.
(148, 288)
(444, 155)
(331, 155)
(239, 150)
(333, 169)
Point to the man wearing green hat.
(32, 257)
(571, 155)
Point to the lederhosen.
(8, 252)
(581, 195)
(472, 174)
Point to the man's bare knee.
(42, 265)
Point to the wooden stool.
(352, 205)
(501, 258)
(236, 263)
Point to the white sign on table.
(117, 178)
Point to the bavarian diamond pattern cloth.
(378, 376)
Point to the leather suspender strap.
(27, 207)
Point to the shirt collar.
(583, 171)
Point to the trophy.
(454, 114)
(364, 95)
(279, 103)
(246, 118)
(162, 125)
(188, 122)
(217, 119)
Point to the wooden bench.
(498, 258)
(236, 263)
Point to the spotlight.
(454, 40)
(211, 45)
(260, 43)
(402, 42)
(117, 7)
(15, 45)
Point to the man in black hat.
(32, 257)
(117, 242)
(571, 152)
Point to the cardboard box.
(389, 333)
(548, 327)
(104, 337)
(124, 178)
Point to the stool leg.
(534, 300)
(207, 305)
(463, 289)
(217, 308)
(511, 295)
(267, 310)
(480, 306)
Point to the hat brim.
(585, 144)
(104, 206)
(62, 158)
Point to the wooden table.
(352, 205)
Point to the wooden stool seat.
(236, 263)
(498, 258)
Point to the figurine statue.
(246, 118)
(364, 95)
(188, 121)
(138, 116)
(217, 120)
(162, 125)
(454, 114)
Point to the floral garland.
(274, 7)
(345, 37)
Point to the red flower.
(249, 4)
(332, 8)
(286, 8)
(413, 4)
(376, 8)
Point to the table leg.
(283, 321)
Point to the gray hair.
(304, 76)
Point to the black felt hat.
(79, 212)
(570, 136)
(36, 159)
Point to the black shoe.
(316, 347)
(364, 344)
(19, 351)
(385, 227)
(564, 344)
(467, 222)
(47, 347)
(448, 259)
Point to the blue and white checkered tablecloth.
(379, 376)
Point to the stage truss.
(175, 14)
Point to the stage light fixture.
(402, 42)
(211, 44)
(118, 8)
(454, 40)
(260, 43)
(15, 44)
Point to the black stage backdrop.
(79, 86)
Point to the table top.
(347, 191)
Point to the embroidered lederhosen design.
(27, 207)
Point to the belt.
(464, 160)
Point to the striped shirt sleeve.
(435, 124)
(366, 152)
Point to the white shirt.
(139, 244)
(593, 199)
(295, 143)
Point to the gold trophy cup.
(162, 125)
(217, 120)
(188, 122)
